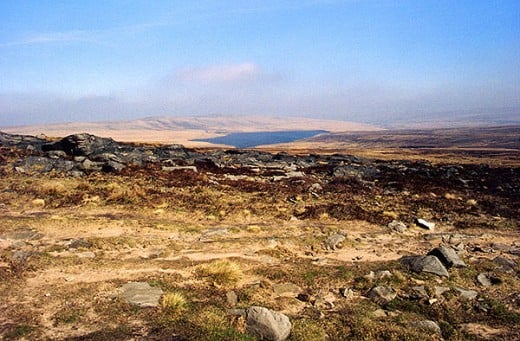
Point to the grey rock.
(397, 226)
(90, 165)
(448, 257)
(484, 280)
(382, 295)
(86, 254)
(141, 294)
(467, 294)
(383, 274)
(56, 154)
(231, 298)
(379, 313)
(347, 293)
(505, 263)
(82, 145)
(267, 324)
(487, 279)
(113, 166)
(425, 224)
(439, 291)
(430, 264)
(419, 292)
(80, 243)
(334, 241)
(429, 326)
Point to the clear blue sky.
(361, 60)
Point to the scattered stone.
(430, 264)
(38, 202)
(371, 276)
(425, 224)
(383, 274)
(515, 252)
(324, 303)
(347, 293)
(481, 331)
(267, 324)
(334, 241)
(80, 243)
(486, 279)
(271, 244)
(467, 294)
(141, 294)
(286, 289)
(22, 233)
(448, 257)
(419, 292)
(231, 298)
(87, 254)
(505, 263)
(397, 226)
(379, 313)
(500, 247)
(439, 291)
(429, 326)
(382, 295)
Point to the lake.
(249, 140)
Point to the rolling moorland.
(377, 235)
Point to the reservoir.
(249, 140)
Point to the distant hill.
(183, 130)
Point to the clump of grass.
(173, 302)
(221, 272)
(211, 324)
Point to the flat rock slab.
(141, 294)
(448, 257)
(429, 264)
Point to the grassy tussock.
(221, 272)
(173, 302)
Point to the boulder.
(267, 324)
(83, 145)
(429, 264)
(448, 257)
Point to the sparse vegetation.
(224, 239)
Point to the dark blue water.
(248, 140)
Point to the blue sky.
(360, 60)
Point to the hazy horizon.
(371, 61)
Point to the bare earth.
(68, 244)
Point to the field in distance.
(184, 130)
